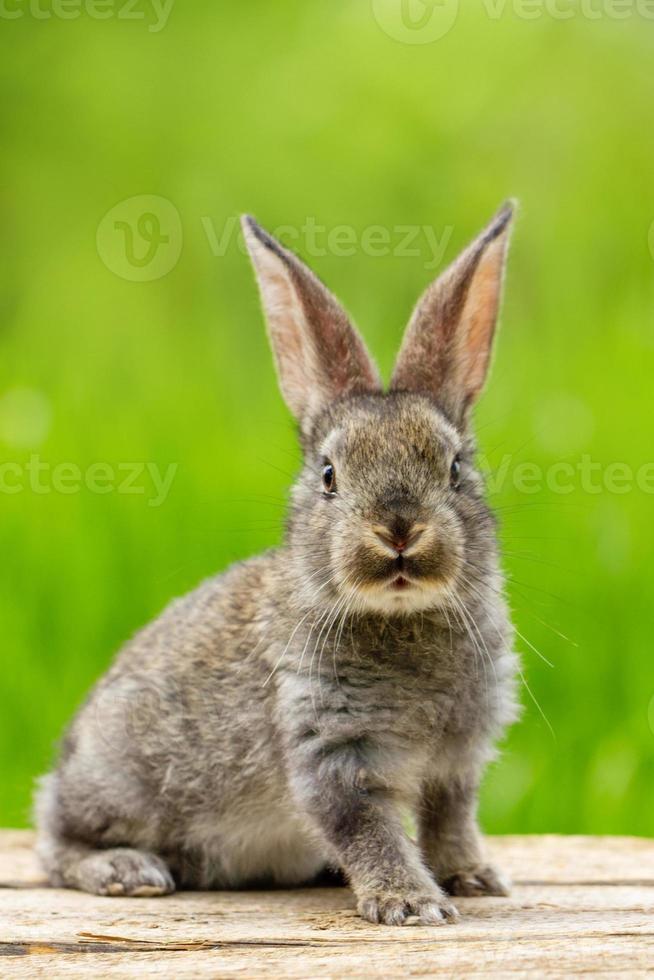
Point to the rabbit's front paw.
(396, 908)
(474, 882)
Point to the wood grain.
(579, 905)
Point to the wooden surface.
(579, 905)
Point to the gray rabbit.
(284, 718)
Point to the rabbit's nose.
(398, 540)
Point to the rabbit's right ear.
(447, 345)
(320, 357)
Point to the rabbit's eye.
(455, 472)
(329, 478)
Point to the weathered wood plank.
(596, 958)
(580, 905)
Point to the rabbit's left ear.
(320, 356)
(447, 345)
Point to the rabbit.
(287, 718)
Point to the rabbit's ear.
(447, 344)
(319, 355)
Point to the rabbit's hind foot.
(123, 871)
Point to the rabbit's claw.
(391, 909)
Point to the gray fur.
(283, 718)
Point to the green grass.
(311, 110)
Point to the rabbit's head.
(388, 515)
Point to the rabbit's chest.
(389, 706)
(395, 726)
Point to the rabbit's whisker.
(482, 650)
(290, 640)
(324, 621)
(526, 685)
(340, 605)
(532, 647)
(352, 598)
(528, 609)
(534, 699)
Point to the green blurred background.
(328, 113)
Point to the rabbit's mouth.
(406, 573)
(415, 577)
(404, 591)
(403, 582)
